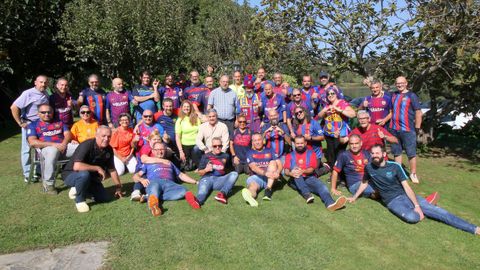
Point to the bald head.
(117, 84)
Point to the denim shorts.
(260, 180)
(407, 140)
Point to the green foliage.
(125, 37)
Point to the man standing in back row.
(405, 123)
(24, 111)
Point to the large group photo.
(274, 154)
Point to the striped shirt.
(224, 102)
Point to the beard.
(377, 161)
(274, 122)
(249, 95)
(300, 150)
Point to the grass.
(285, 233)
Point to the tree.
(347, 35)
(124, 37)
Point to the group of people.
(263, 128)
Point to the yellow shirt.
(82, 130)
(238, 89)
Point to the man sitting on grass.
(391, 182)
(212, 169)
(300, 166)
(160, 182)
(265, 169)
(91, 163)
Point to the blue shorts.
(407, 140)
(260, 180)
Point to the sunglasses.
(85, 112)
(45, 112)
(332, 94)
(299, 112)
(147, 116)
(297, 95)
(217, 146)
(242, 122)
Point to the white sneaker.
(136, 195)
(82, 207)
(413, 177)
(72, 194)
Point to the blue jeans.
(139, 186)
(366, 193)
(25, 154)
(402, 207)
(310, 184)
(166, 190)
(85, 183)
(222, 183)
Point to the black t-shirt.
(88, 152)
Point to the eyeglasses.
(85, 112)
(332, 94)
(297, 95)
(299, 112)
(217, 146)
(45, 112)
(147, 116)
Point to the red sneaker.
(192, 200)
(433, 198)
(154, 206)
(221, 198)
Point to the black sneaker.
(325, 169)
(268, 194)
(308, 197)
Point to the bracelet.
(416, 205)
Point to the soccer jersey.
(218, 163)
(150, 104)
(304, 160)
(307, 95)
(335, 121)
(118, 103)
(370, 136)
(82, 131)
(62, 111)
(160, 171)
(242, 142)
(167, 123)
(404, 107)
(313, 129)
(173, 93)
(47, 132)
(352, 165)
(144, 130)
(95, 100)
(292, 106)
(194, 93)
(275, 102)
(275, 141)
(322, 93)
(250, 107)
(387, 180)
(261, 158)
(378, 107)
(258, 88)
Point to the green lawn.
(285, 233)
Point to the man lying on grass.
(160, 182)
(389, 179)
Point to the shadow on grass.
(7, 130)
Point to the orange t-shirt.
(121, 141)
